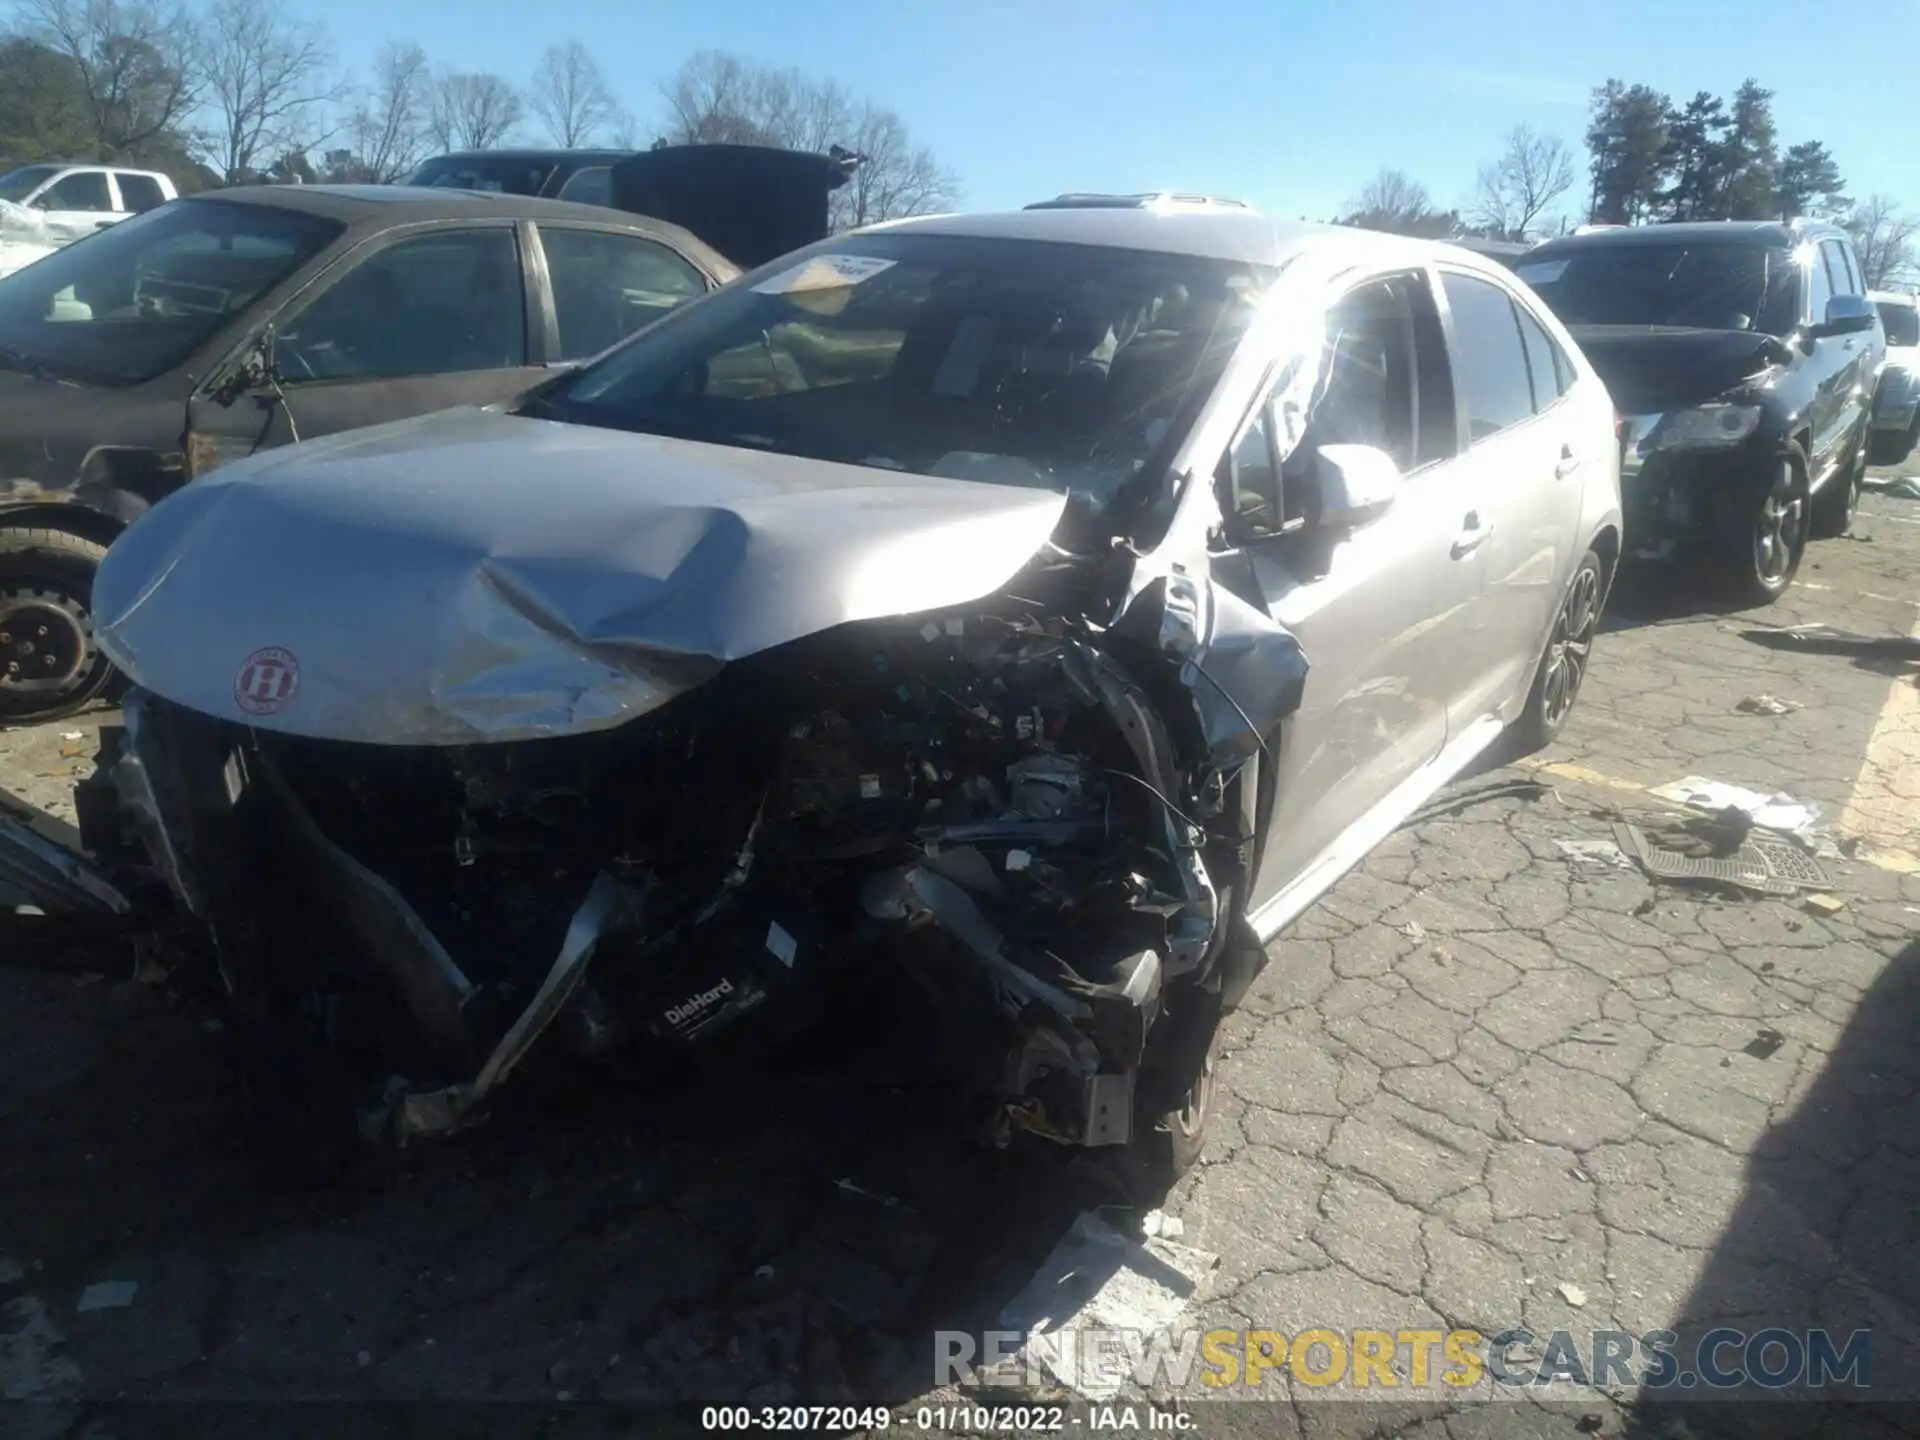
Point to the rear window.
(134, 300)
(501, 174)
(1902, 324)
(16, 185)
(140, 193)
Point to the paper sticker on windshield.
(824, 272)
(1541, 272)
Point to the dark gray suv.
(1742, 358)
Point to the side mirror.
(1358, 484)
(1846, 315)
(252, 372)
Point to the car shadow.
(1822, 1239)
(770, 1230)
(1647, 594)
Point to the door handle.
(1472, 535)
(1569, 462)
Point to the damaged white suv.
(1045, 607)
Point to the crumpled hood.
(473, 576)
(1656, 368)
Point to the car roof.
(1203, 232)
(1782, 233)
(1893, 297)
(531, 152)
(382, 207)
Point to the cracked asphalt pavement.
(1482, 1084)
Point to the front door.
(431, 320)
(1386, 611)
(77, 204)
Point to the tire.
(1833, 507)
(1765, 531)
(1563, 664)
(1171, 1130)
(49, 663)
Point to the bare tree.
(623, 131)
(1394, 201)
(716, 98)
(267, 78)
(473, 112)
(137, 62)
(1533, 171)
(1887, 239)
(570, 95)
(895, 177)
(387, 125)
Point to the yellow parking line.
(1882, 809)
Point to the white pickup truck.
(76, 200)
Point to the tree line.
(218, 92)
(1649, 158)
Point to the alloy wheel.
(1780, 529)
(1570, 646)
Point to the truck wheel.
(1766, 532)
(49, 663)
(1833, 507)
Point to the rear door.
(1386, 611)
(1520, 479)
(417, 322)
(607, 284)
(1857, 363)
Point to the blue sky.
(1289, 106)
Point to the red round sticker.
(267, 681)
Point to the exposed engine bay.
(1030, 820)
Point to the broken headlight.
(1704, 427)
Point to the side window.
(439, 304)
(1821, 289)
(1254, 479)
(1489, 359)
(591, 186)
(1846, 281)
(1383, 379)
(139, 192)
(1551, 370)
(82, 190)
(607, 285)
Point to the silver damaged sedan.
(1020, 616)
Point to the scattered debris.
(1761, 864)
(1822, 904)
(1098, 1278)
(763, 1272)
(1455, 802)
(852, 1189)
(107, 1295)
(1778, 811)
(73, 735)
(363, 1359)
(1905, 487)
(1764, 1045)
(1826, 640)
(1414, 931)
(1767, 705)
(1595, 852)
(1572, 1294)
(1158, 1222)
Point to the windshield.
(16, 185)
(1712, 286)
(1902, 324)
(504, 174)
(1062, 367)
(132, 301)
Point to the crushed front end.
(1029, 820)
